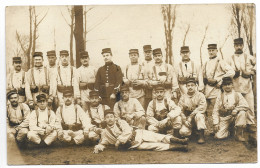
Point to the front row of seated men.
(168, 124)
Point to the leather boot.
(240, 134)
(179, 147)
(176, 133)
(201, 139)
(179, 140)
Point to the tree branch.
(42, 18)
(20, 42)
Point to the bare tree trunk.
(71, 36)
(28, 53)
(202, 42)
(185, 35)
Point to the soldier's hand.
(126, 81)
(187, 124)
(98, 131)
(234, 113)
(60, 134)
(41, 132)
(112, 96)
(216, 128)
(117, 144)
(79, 101)
(137, 83)
(96, 150)
(48, 129)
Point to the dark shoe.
(240, 134)
(201, 139)
(179, 147)
(179, 140)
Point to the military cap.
(68, 91)
(133, 51)
(108, 111)
(64, 52)
(17, 59)
(239, 41)
(93, 93)
(226, 81)
(37, 54)
(83, 54)
(159, 87)
(185, 49)
(157, 51)
(191, 80)
(106, 50)
(41, 97)
(212, 46)
(10, 93)
(124, 88)
(51, 53)
(147, 48)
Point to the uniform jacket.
(19, 115)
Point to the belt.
(246, 76)
(224, 112)
(237, 74)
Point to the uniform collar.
(38, 68)
(108, 63)
(213, 57)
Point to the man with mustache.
(193, 106)
(109, 78)
(230, 107)
(84, 80)
(17, 118)
(16, 79)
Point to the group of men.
(148, 105)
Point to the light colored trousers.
(174, 123)
(35, 137)
(77, 136)
(20, 135)
(250, 100)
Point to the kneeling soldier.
(71, 120)
(130, 109)
(230, 107)
(41, 123)
(123, 136)
(17, 114)
(163, 115)
(193, 105)
(96, 114)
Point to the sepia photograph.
(130, 84)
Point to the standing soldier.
(193, 106)
(213, 72)
(147, 69)
(17, 113)
(84, 80)
(130, 109)
(163, 74)
(163, 115)
(66, 74)
(42, 123)
(109, 78)
(134, 77)
(37, 81)
(187, 68)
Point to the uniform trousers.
(199, 120)
(19, 135)
(77, 136)
(174, 123)
(35, 137)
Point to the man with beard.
(16, 79)
(71, 120)
(120, 134)
(109, 78)
(134, 77)
(163, 74)
(36, 80)
(96, 114)
(230, 107)
(66, 74)
(163, 115)
(187, 68)
(84, 80)
(42, 123)
(213, 72)
(193, 106)
(17, 118)
(130, 109)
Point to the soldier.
(66, 74)
(71, 120)
(134, 77)
(130, 109)
(187, 68)
(42, 123)
(36, 80)
(244, 66)
(16, 79)
(96, 114)
(230, 107)
(147, 68)
(109, 78)
(84, 80)
(163, 73)
(17, 121)
(163, 115)
(120, 134)
(213, 72)
(193, 106)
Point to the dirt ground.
(224, 151)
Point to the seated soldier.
(230, 107)
(123, 136)
(163, 115)
(71, 120)
(130, 109)
(17, 118)
(193, 106)
(41, 123)
(96, 114)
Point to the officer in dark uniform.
(109, 78)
